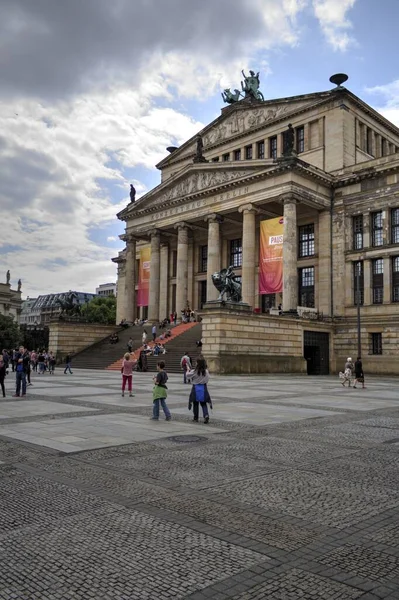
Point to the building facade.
(47, 307)
(106, 289)
(27, 317)
(338, 193)
(10, 300)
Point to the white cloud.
(390, 106)
(111, 238)
(332, 16)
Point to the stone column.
(153, 304)
(182, 268)
(214, 254)
(248, 253)
(290, 252)
(164, 282)
(387, 280)
(130, 279)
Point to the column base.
(241, 307)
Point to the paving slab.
(33, 408)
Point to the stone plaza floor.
(291, 492)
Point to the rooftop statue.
(251, 84)
(226, 284)
(132, 193)
(8, 276)
(229, 97)
(199, 155)
(289, 141)
(19, 285)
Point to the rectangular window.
(378, 281)
(300, 139)
(273, 147)
(395, 279)
(174, 263)
(369, 141)
(237, 154)
(306, 287)
(383, 147)
(376, 228)
(248, 152)
(226, 157)
(306, 240)
(261, 149)
(203, 259)
(358, 282)
(376, 343)
(236, 253)
(216, 159)
(357, 224)
(395, 226)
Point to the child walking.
(127, 373)
(160, 393)
(199, 394)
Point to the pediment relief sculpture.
(197, 182)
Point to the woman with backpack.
(199, 394)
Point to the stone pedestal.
(238, 307)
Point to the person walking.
(127, 373)
(21, 366)
(144, 337)
(359, 375)
(41, 362)
(348, 372)
(154, 332)
(175, 317)
(68, 362)
(51, 363)
(160, 393)
(199, 394)
(130, 345)
(185, 364)
(3, 370)
(28, 362)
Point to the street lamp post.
(359, 333)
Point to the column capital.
(154, 232)
(182, 225)
(247, 208)
(129, 238)
(164, 244)
(289, 198)
(214, 218)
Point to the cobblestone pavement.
(291, 492)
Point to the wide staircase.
(101, 354)
(184, 338)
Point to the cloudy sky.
(92, 92)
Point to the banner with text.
(144, 276)
(271, 256)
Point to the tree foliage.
(100, 310)
(9, 333)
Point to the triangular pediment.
(243, 117)
(194, 180)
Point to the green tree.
(9, 333)
(100, 310)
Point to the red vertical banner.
(271, 256)
(144, 276)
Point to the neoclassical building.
(10, 299)
(337, 191)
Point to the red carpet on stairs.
(176, 331)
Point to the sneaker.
(354, 387)
(131, 395)
(15, 396)
(195, 420)
(23, 395)
(154, 419)
(30, 383)
(206, 420)
(123, 394)
(168, 419)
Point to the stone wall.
(237, 341)
(70, 338)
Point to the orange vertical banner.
(271, 256)
(144, 276)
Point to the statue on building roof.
(8, 277)
(251, 84)
(19, 285)
(132, 193)
(289, 141)
(199, 155)
(229, 97)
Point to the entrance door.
(317, 352)
(202, 293)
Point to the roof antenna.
(339, 79)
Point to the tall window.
(395, 279)
(357, 223)
(261, 149)
(358, 282)
(306, 287)
(300, 139)
(378, 281)
(203, 259)
(237, 154)
(376, 343)
(273, 147)
(369, 141)
(216, 159)
(174, 263)
(236, 253)
(248, 152)
(395, 226)
(226, 157)
(384, 147)
(306, 240)
(376, 228)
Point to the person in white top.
(199, 394)
(185, 364)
